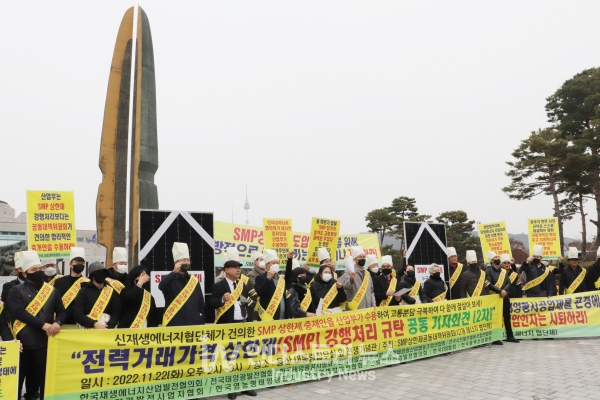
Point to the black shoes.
(251, 393)
(232, 396)
(512, 340)
(498, 343)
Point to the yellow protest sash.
(386, 301)
(597, 284)
(455, 275)
(142, 314)
(34, 306)
(360, 293)
(538, 280)
(307, 300)
(267, 315)
(68, 298)
(234, 297)
(500, 281)
(480, 283)
(331, 294)
(101, 303)
(118, 286)
(513, 276)
(440, 297)
(1, 308)
(244, 279)
(415, 289)
(53, 280)
(179, 300)
(576, 282)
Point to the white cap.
(180, 251)
(451, 251)
(224, 257)
(538, 250)
(295, 263)
(30, 259)
(119, 255)
(357, 251)
(18, 257)
(48, 261)
(77, 252)
(232, 254)
(269, 255)
(387, 260)
(504, 257)
(491, 254)
(573, 253)
(471, 256)
(256, 255)
(598, 253)
(371, 259)
(323, 254)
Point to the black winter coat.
(293, 298)
(319, 290)
(5, 290)
(593, 274)
(192, 312)
(265, 288)
(469, 280)
(63, 285)
(433, 287)
(455, 290)
(85, 300)
(131, 301)
(567, 277)
(408, 283)
(33, 336)
(549, 284)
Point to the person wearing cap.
(69, 285)
(499, 277)
(473, 282)
(298, 296)
(515, 290)
(325, 291)
(572, 278)
(33, 306)
(271, 288)
(390, 282)
(538, 278)
(455, 269)
(412, 288)
(593, 274)
(97, 304)
(357, 282)
(118, 270)
(138, 309)
(435, 288)
(379, 283)
(184, 300)
(50, 270)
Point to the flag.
(92, 239)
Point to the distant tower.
(247, 206)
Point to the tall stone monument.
(111, 203)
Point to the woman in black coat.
(322, 284)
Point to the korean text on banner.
(199, 361)
(368, 241)
(494, 238)
(9, 366)
(566, 316)
(323, 233)
(245, 238)
(51, 223)
(279, 237)
(544, 231)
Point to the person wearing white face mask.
(271, 289)
(259, 268)
(379, 286)
(357, 281)
(50, 272)
(325, 290)
(118, 271)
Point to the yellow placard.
(198, 361)
(279, 237)
(494, 238)
(368, 241)
(323, 233)
(544, 231)
(9, 370)
(51, 223)
(245, 238)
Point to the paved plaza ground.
(530, 370)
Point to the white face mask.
(375, 270)
(50, 271)
(313, 271)
(122, 269)
(274, 268)
(261, 264)
(326, 277)
(545, 263)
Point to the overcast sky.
(323, 108)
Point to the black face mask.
(410, 274)
(535, 261)
(386, 271)
(78, 268)
(302, 280)
(362, 262)
(184, 267)
(497, 262)
(21, 277)
(37, 277)
(99, 277)
(435, 275)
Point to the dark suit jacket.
(216, 300)
(265, 288)
(5, 289)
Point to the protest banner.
(323, 233)
(245, 238)
(199, 361)
(9, 370)
(368, 241)
(544, 231)
(51, 223)
(566, 316)
(279, 237)
(494, 238)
